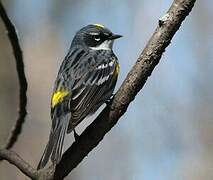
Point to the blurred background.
(167, 132)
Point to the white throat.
(106, 45)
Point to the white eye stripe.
(106, 34)
(94, 33)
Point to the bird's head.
(95, 37)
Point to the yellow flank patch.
(117, 69)
(58, 97)
(99, 25)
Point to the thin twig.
(134, 82)
(16, 160)
(16, 130)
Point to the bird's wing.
(93, 88)
(67, 76)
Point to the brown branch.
(27, 169)
(16, 130)
(16, 160)
(135, 80)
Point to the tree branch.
(16, 130)
(135, 80)
(16, 160)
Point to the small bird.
(86, 80)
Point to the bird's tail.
(54, 146)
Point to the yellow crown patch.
(99, 25)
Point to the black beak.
(115, 36)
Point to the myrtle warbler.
(86, 79)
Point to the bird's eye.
(97, 38)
